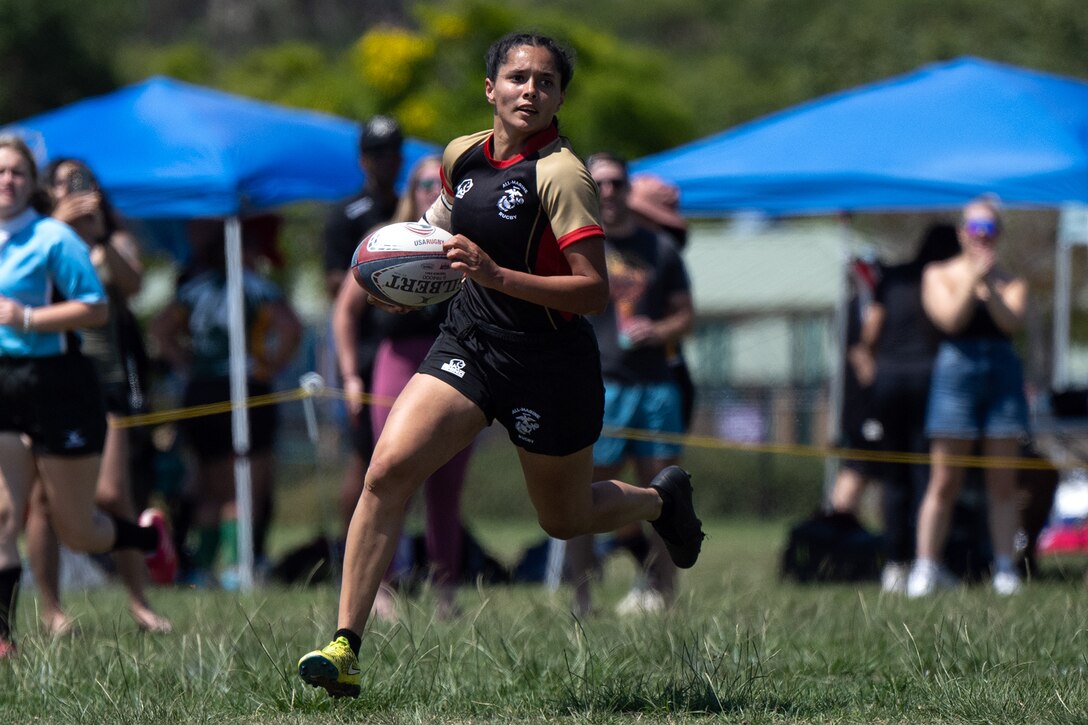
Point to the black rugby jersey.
(522, 211)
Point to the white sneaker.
(893, 579)
(641, 601)
(926, 578)
(1007, 583)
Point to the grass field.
(740, 646)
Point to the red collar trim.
(536, 142)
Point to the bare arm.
(56, 317)
(348, 306)
(584, 291)
(118, 263)
(951, 290)
(861, 356)
(287, 329)
(170, 330)
(1006, 300)
(673, 327)
(948, 294)
(439, 213)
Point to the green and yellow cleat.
(334, 667)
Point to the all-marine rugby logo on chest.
(513, 196)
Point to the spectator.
(855, 421)
(900, 343)
(649, 312)
(405, 340)
(514, 346)
(114, 349)
(655, 204)
(976, 396)
(49, 392)
(380, 156)
(193, 335)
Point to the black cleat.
(682, 531)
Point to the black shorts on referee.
(545, 388)
(54, 400)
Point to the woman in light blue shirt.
(52, 420)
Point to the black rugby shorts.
(545, 388)
(56, 401)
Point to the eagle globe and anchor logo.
(526, 422)
(513, 195)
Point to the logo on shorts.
(74, 439)
(455, 367)
(513, 196)
(526, 423)
(463, 188)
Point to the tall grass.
(739, 645)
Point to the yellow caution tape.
(683, 439)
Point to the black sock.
(354, 640)
(638, 545)
(131, 536)
(9, 592)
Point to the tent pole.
(837, 383)
(238, 394)
(1059, 365)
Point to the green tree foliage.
(649, 76)
(54, 52)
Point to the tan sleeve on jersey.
(440, 212)
(569, 197)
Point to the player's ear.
(489, 91)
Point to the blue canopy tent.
(933, 138)
(166, 149)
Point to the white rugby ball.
(403, 264)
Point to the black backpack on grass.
(831, 547)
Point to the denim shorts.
(977, 391)
(653, 408)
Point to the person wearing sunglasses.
(976, 401)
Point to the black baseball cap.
(380, 133)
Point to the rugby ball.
(403, 264)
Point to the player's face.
(15, 183)
(525, 91)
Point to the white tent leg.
(1063, 255)
(239, 392)
(837, 383)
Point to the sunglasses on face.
(981, 227)
(617, 184)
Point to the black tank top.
(982, 326)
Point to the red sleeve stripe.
(578, 235)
